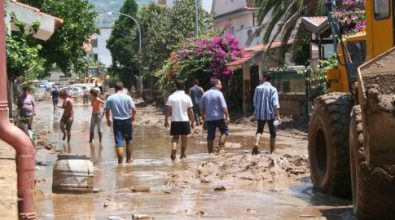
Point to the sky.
(207, 5)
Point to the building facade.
(98, 47)
(238, 17)
(206, 4)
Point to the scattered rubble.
(235, 168)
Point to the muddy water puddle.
(143, 186)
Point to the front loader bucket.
(376, 95)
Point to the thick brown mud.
(231, 186)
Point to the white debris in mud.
(235, 168)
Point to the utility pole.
(196, 18)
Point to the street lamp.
(196, 18)
(138, 26)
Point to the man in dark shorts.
(215, 112)
(55, 97)
(123, 114)
(267, 108)
(68, 115)
(179, 106)
(196, 92)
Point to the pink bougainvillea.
(351, 15)
(208, 55)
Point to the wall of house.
(225, 6)
(291, 88)
(29, 17)
(240, 25)
(100, 49)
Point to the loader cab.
(380, 27)
(377, 38)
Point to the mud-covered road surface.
(235, 185)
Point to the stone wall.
(8, 183)
(291, 87)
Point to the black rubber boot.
(91, 135)
(183, 155)
(255, 150)
(173, 154)
(272, 144)
(210, 146)
(100, 136)
(128, 154)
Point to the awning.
(316, 25)
(237, 63)
(30, 15)
(253, 51)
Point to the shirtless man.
(68, 115)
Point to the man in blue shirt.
(267, 108)
(215, 112)
(196, 93)
(123, 114)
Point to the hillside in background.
(103, 6)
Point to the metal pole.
(16, 137)
(196, 18)
(138, 25)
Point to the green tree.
(64, 48)
(284, 20)
(123, 42)
(157, 43)
(163, 29)
(23, 58)
(175, 26)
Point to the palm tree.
(284, 22)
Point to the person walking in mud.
(27, 110)
(215, 113)
(55, 97)
(196, 92)
(267, 109)
(68, 115)
(96, 115)
(179, 107)
(85, 97)
(123, 114)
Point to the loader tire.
(328, 144)
(373, 187)
(356, 153)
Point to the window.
(255, 20)
(357, 52)
(94, 43)
(381, 9)
(249, 33)
(231, 30)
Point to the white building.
(238, 17)
(99, 50)
(206, 4)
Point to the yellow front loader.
(352, 128)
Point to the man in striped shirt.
(267, 109)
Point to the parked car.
(75, 91)
(41, 94)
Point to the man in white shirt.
(180, 108)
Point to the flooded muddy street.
(231, 186)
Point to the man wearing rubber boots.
(215, 113)
(179, 107)
(267, 108)
(123, 114)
